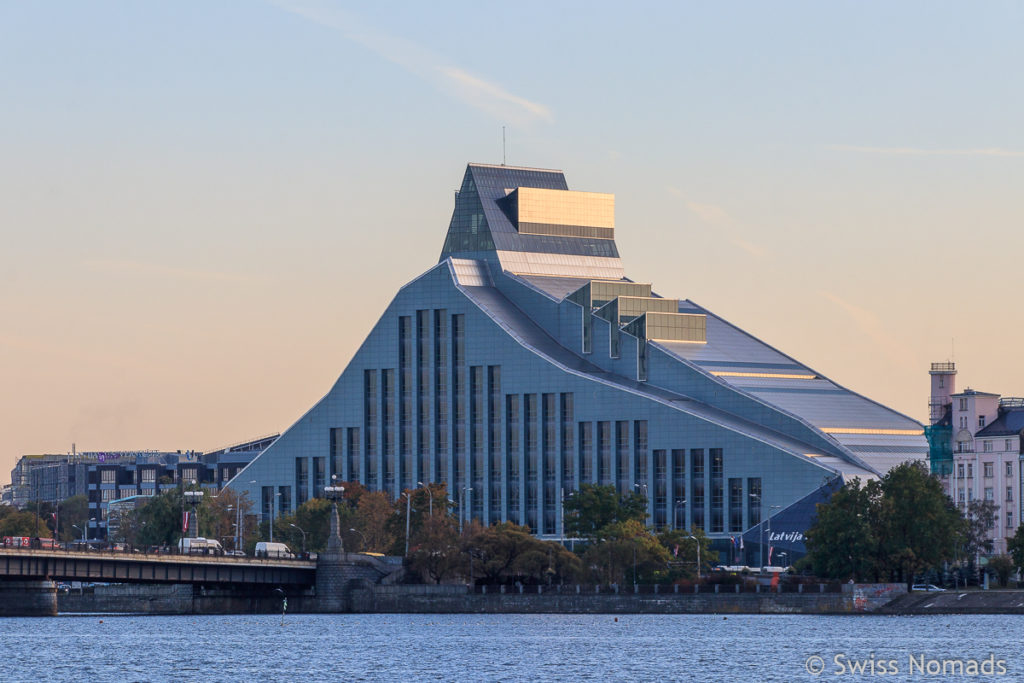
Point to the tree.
(159, 520)
(506, 552)
(981, 519)
(682, 546)
(435, 550)
(72, 511)
(842, 542)
(1002, 567)
(627, 551)
(15, 522)
(373, 512)
(593, 507)
(1015, 546)
(218, 515)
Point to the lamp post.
(430, 509)
(408, 510)
(80, 529)
(770, 508)
(303, 536)
(334, 493)
(462, 505)
(193, 497)
(360, 536)
(273, 504)
(679, 503)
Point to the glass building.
(526, 363)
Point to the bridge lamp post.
(697, 543)
(334, 493)
(80, 529)
(303, 536)
(193, 498)
(360, 536)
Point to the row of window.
(988, 470)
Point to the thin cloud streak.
(150, 269)
(478, 93)
(914, 151)
(714, 215)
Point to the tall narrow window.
(337, 450)
(405, 344)
(604, 453)
(459, 400)
(679, 486)
(698, 483)
(355, 460)
(717, 490)
(622, 455)
(423, 395)
(513, 429)
(532, 459)
(568, 452)
(586, 452)
(494, 441)
(753, 501)
(441, 396)
(735, 505)
(387, 413)
(661, 501)
(370, 426)
(549, 438)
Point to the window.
(1008, 446)
(1009, 469)
(150, 475)
(1009, 519)
(990, 493)
(986, 446)
(960, 494)
(960, 471)
(970, 495)
(981, 420)
(1009, 494)
(988, 469)
(963, 404)
(970, 470)
(109, 494)
(108, 477)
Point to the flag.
(770, 549)
(184, 525)
(675, 551)
(741, 543)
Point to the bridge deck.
(119, 567)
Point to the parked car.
(927, 587)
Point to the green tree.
(72, 511)
(842, 542)
(15, 522)
(1002, 567)
(506, 552)
(981, 519)
(1015, 546)
(627, 551)
(159, 520)
(918, 525)
(435, 551)
(592, 508)
(682, 547)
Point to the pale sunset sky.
(205, 206)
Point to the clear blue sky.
(206, 205)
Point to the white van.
(275, 550)
(200, 546)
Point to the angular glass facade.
(523, 365)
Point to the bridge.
(121, 567)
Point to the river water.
(397, 647)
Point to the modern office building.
(108, 476)
(977, 448)
(526, 363)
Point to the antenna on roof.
(503, 145)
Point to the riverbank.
(368, 598)
(958, 602)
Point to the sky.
(206, 205)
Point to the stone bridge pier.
(339, 572)
(28, 598)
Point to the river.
(378, 647)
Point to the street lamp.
(679, 504)
(303, 537)
(697, 542)
(770, 508)
(647, 502)
(462, 505)
(80, 529)
(334, 493)
(431, 494)
(360, 536)
(193, 497)
(273, 504)
(408, 510)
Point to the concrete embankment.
(958, 602)
(365, 597)
(175, 599)
(853, 599)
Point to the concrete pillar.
(28, 599)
